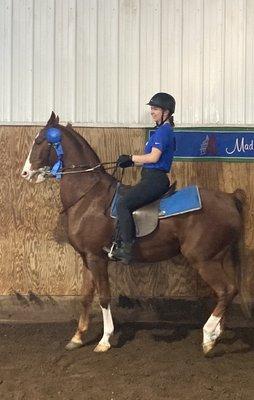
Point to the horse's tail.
(240, 200)
(238, 253)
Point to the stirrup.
(123, 253)
(115, 244)
(110, 250)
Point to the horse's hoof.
(73, 345)
(102, 347)
(208, 347)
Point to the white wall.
(97, 62)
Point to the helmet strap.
(163, 120)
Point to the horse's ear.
(56, 122)
(51, 119)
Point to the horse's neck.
(77, 151)
(76, 186)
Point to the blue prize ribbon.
(57, 167)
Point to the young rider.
(156, 161)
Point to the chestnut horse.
(206, 238)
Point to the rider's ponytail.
(171, 120)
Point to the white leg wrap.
(108, 326)
(212, 329)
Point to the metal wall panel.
(97, 62)
(192, 62)
(86, 72)
(150, 53)
(234, 76)
(249, 60)
(129, 18)
(22, 61)
(107, 88)
(213, 101)
(65, 58)
(44, 58)
(171, 50)
(5, 59)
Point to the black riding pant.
(154, 183)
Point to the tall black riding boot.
(124, 253)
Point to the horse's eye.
(39, 140)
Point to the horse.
(206, 238)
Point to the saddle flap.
(146, 218)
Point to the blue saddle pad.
(180, 202)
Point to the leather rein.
(45, 171)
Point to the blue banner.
(214, 145)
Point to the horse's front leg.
(95, 276)
(87, 291)
(99, 267)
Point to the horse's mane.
(82, 141)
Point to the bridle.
(57, 170)
(52, 172)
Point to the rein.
(46, 172)
(89, 169)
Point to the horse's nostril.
(24, 173)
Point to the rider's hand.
(124, 161)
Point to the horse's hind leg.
(213, 274)
(88, 289)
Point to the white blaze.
(27, 171)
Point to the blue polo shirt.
(164, 140)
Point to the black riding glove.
(124, 161)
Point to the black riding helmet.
(164, 101)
